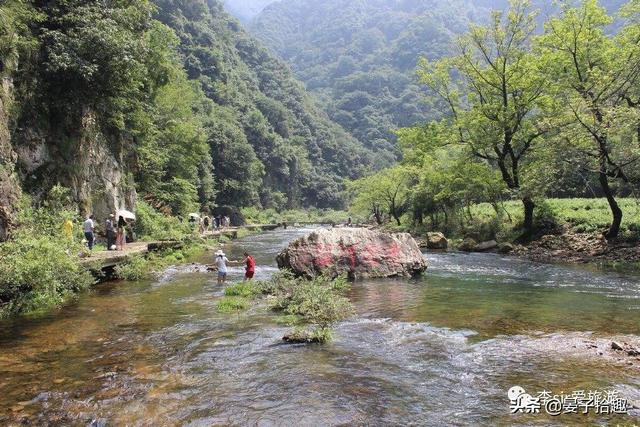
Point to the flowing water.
(440, 350)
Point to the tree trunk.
(377, 214)
(616, 212)
(528, 206)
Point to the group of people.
(116, 232)
(206, 223)
(222, 261)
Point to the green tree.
(593, 77)
(495, 97)
(388, 191)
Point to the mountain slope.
(360, 55)
(265, 113)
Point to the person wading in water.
(221, 262)
(250, 268)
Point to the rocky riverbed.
(579, 248)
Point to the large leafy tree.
(387, 192)
(594, 78)
(494, 96)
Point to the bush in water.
(318, 303)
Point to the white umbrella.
(194, 215)
(126, 214)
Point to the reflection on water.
(439, 350)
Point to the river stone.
(356, 252)
(485, 246)
(467, 245)
(505, 248)
(437, 241)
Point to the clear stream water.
(440, 350)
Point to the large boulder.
(356, 252)
(437, 241)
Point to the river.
(439, 350)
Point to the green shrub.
(153, 225)
(317, 304)
(38, 273)
(136, 268)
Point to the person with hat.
(221, 264)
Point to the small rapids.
(439, 350)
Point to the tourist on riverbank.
(121, 233)
(250, 268)
(206, 222)
(89, 231)
(221, 264)
(111, 232)
(67, 229)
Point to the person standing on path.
(89, 229)
(67, 229)
(250, 268)
(221, 264)
(111, 232)
(120, 236)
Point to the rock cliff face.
(33, 158)
(356, 252)
(9, 186)
(83, 159)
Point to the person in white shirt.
(221, 264)
(89, 228)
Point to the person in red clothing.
(250, 268)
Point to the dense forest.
(527, 113)
(171, 101)
(360, 56)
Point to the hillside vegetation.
(360, 56)
(169, 100)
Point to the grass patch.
(231, 304)
(580, 215)
(242, 289)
